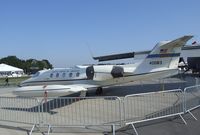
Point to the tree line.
(29, 66)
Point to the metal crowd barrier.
(81, 111)
(62, 111)
(98, 111)
(20, 110)
(191, 99)
(154, 105)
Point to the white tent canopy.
(7, 70)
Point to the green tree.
(13, 61)
(29, 66)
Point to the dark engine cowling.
(117, 71)
(104, 72)
(90, 72)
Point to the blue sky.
(62, 30)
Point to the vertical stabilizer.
(164, 56)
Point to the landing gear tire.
(99, 91)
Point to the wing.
(51, 90)
(79, 87)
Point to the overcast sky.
(62, 30)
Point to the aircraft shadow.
(47, 106)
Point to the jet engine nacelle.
(117, 71)
(100, 72)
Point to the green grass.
(13, 81)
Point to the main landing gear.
(99, 91)
(83, 93)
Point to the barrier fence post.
(121, 111)
(134, 129)
(31, 131)
(41, 113)
(124, 110)
(185, 102)
(113, 129)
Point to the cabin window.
(57, 75)
(51, 75)
(77, 74)
(63, 75)
(70, 74)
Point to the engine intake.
(117, 71)
(90, 72)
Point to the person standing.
(7, 81)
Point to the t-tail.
(164, 56)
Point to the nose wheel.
(99, 91)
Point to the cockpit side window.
(36, 74)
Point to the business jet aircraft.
(161, 62)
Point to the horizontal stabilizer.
(115, 56)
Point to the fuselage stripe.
(163, 55)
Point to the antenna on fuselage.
(90, 50)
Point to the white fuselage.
(161, 62)
(102, 76)
(61, 82)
